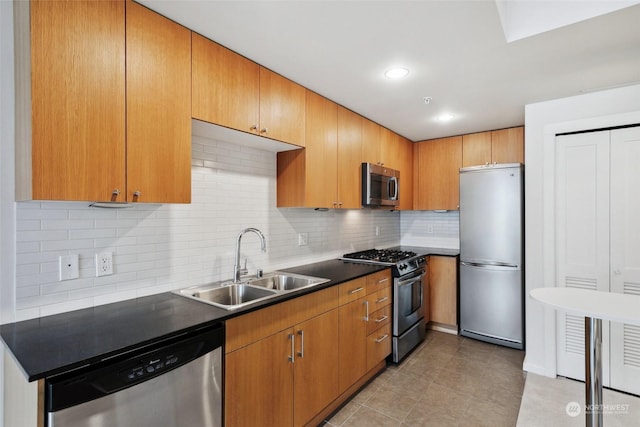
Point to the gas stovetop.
(402, 262)
(387, 256)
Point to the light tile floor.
(447, 381)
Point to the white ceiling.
(457, 52)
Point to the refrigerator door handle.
(488, 264)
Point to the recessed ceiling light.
(396, 73)
(445, 117)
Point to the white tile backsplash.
(431, 229)
(157, 248)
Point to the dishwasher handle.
(120, 372)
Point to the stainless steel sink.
(229, 296)
(286, 281)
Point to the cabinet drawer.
(378, 346)
(256, 325)
(378, 281)
(379, 300)
(352, 290)
(378, 319)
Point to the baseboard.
(440, 327)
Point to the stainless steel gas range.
(408, 270)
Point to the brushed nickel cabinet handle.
(382, 338)
(366, 311)
(356, 290)
(383, 299)
(386, 279)
(264, 130)
(382, 319)
(301, 352)
(292, 357)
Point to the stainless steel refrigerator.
(491, 294)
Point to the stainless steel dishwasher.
(175, 383)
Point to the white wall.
(163, 247)
(542, 122)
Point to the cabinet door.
(437, 174)
(371, 142)
(282, 108)
(476, 149)
(507, 145)
(77, 100)
(352, 343)
(315, 367)
(349, 159)
(443, 281)
(406, 174)
(321, 152)
(158, 108)
(426, 295)
(226, 86)
(390, 149)
(259, 383)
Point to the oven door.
(407, 301)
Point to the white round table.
(594, 306)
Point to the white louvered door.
(625, 253)
(582, 238)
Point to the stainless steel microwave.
(380, 186)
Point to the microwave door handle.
(393, 185)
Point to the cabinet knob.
(136, 194)
(264, 130)
(114, 195)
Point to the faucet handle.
(259, 273)
(243, 270)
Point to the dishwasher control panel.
(151, 366)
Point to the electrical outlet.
(377, 231)
(104, 264)
(303, 239)
(430, 229)
(69, 267)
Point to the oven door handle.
(411, 280)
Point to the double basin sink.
(230, 296)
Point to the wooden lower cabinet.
(284, 379)
(259, 383)
(293, 363)
(352, 333)
(443, 283)
(315, 366)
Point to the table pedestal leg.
(593, 371)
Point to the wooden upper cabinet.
(507, 145)
(233, 91)
(371, 142)
(406, 174)
(476, 149)
(225, 86)
(349, 159)
(282, 108)
(390, 149)
(498, 146)
(437, 165)
(321, 152)
(75, 147)
(158, 108)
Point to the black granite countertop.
(55, 344)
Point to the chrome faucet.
(237, 269)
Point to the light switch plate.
(69, 267)
(303, 239)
